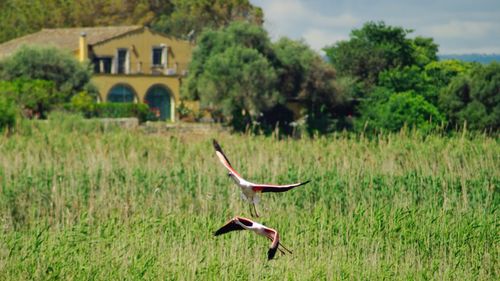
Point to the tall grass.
(80, 203)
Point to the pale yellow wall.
(140, 45)
(140, 84)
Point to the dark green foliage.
(47, 63)
(34, 97)
(241, 77)
(377, 47)
(424, 51)
(8, 112)
(39, 78)
(474, 98)
(189, 17)
(120, 110)
(305, 78)
(211, 43)
(379, 61)
(381, 56)
(85, 105)
(231, 74)
(391, 111)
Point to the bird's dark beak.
(229, 174)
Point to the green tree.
(382, 58)
(190, 17)
(377, 47)
(306, 78)
(373, 48)
(48, 63)
(238, 72)
(474, 98)
(230, 74)
(424, 51)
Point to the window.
(102, 65)
(106, 65)
(157, 56)
(121, 93)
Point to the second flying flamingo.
(240, 223)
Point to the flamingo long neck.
(234, 178)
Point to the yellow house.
(131, 63)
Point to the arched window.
(121, 93)
(158, 100)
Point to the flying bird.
(249, 190)
(240, 223)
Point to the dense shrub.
(47, 63)
(86, 106)
(121, 110)
(34, 97)
(8, 112)
(393, 111)
(84, 103)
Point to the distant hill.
(481, 58)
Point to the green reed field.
(80, 202)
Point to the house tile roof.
(66, 38)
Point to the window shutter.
(114, 64)
(164, 55)
(127, 62)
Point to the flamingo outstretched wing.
(276, 188)
(228, 227)
(224, 160)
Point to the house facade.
(130, 63)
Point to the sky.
(457, 26)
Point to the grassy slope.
(118, 205)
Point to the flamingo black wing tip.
(216, 145)
(271, 253)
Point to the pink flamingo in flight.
(249, 190)
(240, 223)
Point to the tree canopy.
(189, 17)
(237, 70)
(47, 63)
(174, 17)
(474, 98)
(39, 77)
(377, 47)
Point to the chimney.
(84, 49)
